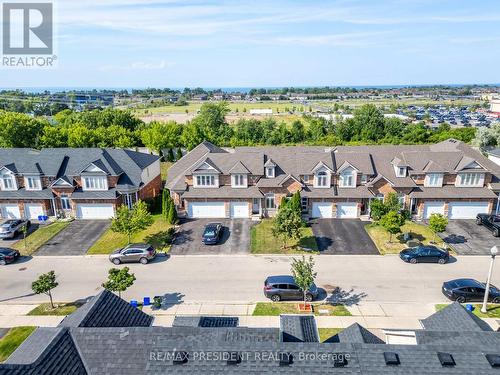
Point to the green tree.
(392, 222)
(160, 135)
(303, 274)
(178, 154)
(119, 280)
(44, 285)
(170, 155)
(165, 203)
(287, 224)
(437, 223)
(377, 209)
(172, 213)
(369, 123)
(295, 202)
(130, 221)
(392, 202)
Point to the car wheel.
(309, 297)
(479, 221)
(442, 261)
(116, 261)
(143, 261)
(496, 233)
(413, 260)
(460, 299)
(3, 263)
(496, 300)
(275, 298)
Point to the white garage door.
(433, 208)
(94, 211)
(348, 210)
(206, 210)
(322, 210)
(239, 210)
(10, 211)
(33, 210)
(467, 210)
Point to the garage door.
(467, 210)
(322, 210)
(239, 210)
(433, 208)
(10, 211)
(33, 210)
(94, 211)
(348, 210)
(206, 210)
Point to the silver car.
(136, 252)
(11, 228)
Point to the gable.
(61, 182)
(92, 168)
(346, 165)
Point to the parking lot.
(235, 237)
(468, 238)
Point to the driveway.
(468, 238)
(75, 239)
(235, 237)
(342, 237)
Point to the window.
(322, 179)
(304, 202)
(305, 178)
(205, 180)
(434, 180)
(270, 172)
(347, 178)
(401, 199)
(401, 171)
(33, 183)
(270, 201)
(364, 179)
(65, 202)
(8, 182)
(95, 183)
(470, 179)
(239, 180)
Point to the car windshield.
(5, 225)
(210, 232)
(4, 251)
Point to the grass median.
(492, 310)
(278, 308)
(11, 341)
(39, 237)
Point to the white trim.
(38, 182)
(85, 187)
(95, 169)
(476, 177)
(235, 183)
(428, 179)
(64, 182)
(11, 176)
(207, 177)
(270, 175)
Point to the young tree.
(392, 202)
(287, 224)
(172, 213)
(44, 284)
(170, 155)
(165, 203)
(295, 202)
(119, 280)
(437, 223)
(377, 209)
(303, 274)
(130, 221)
(178, 154)
(392, 222)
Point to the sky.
(200, 43)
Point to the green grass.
(326, 333)
(152, 235)
(493, 310)
(164, 167)
(60, 309)
(278, 308)
(262, 241)
(11, 341)
(380, 237)
(39, 237)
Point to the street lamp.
(494, 252)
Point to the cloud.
(139, 65)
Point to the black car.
(465, 290)
(279, 288)
(425, 254)
(212, 233)
(8, 255)
(492, 222)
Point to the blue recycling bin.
(469, 307)
(133, 303)
(146, 301)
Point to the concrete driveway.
(235, 237)
(342, 237)
(468, 238)
(75, 239)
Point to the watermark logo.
(28, 35)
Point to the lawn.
(262, 241)
(153, 235)
(419, 232)
(11, 341)
(278, 308)
(326, 333)
(39, 237)
(60, 309)
(493, 310)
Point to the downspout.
(54, 206)
(498, 204)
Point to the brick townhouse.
(85, 183)
(450, 178)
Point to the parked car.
(492, 222)
(137, 252)
(465, 290)
(425, 254)
(8, 255)
(212, 233)
(279, 288)
(11, 228)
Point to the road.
(239, 278)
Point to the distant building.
(261, 111)
(495, 107)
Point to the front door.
(256, 206)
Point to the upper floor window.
(33, 183)
(433, 180)
(205, 180)
(401, 171)
(8, 182)
(303, 203)
(322, 179)
(270, 172)
(470, 179)
(95, 183)
(364, 179)
(270, 202)
(347, 178)
(305, 178)
(239, 180)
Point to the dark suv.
(136, 252)
(492, 222)
(212, 233)
(279, 288)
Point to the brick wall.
(152, 189)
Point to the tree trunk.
(51, 302)
(119, 294)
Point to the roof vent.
(286, 359)
(446, 359)
(391, 358)
(340, 361)
(234, 358)
(180, 357)
(493, 359)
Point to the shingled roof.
(454, 317)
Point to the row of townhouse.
(450, 178)
(85, 183)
